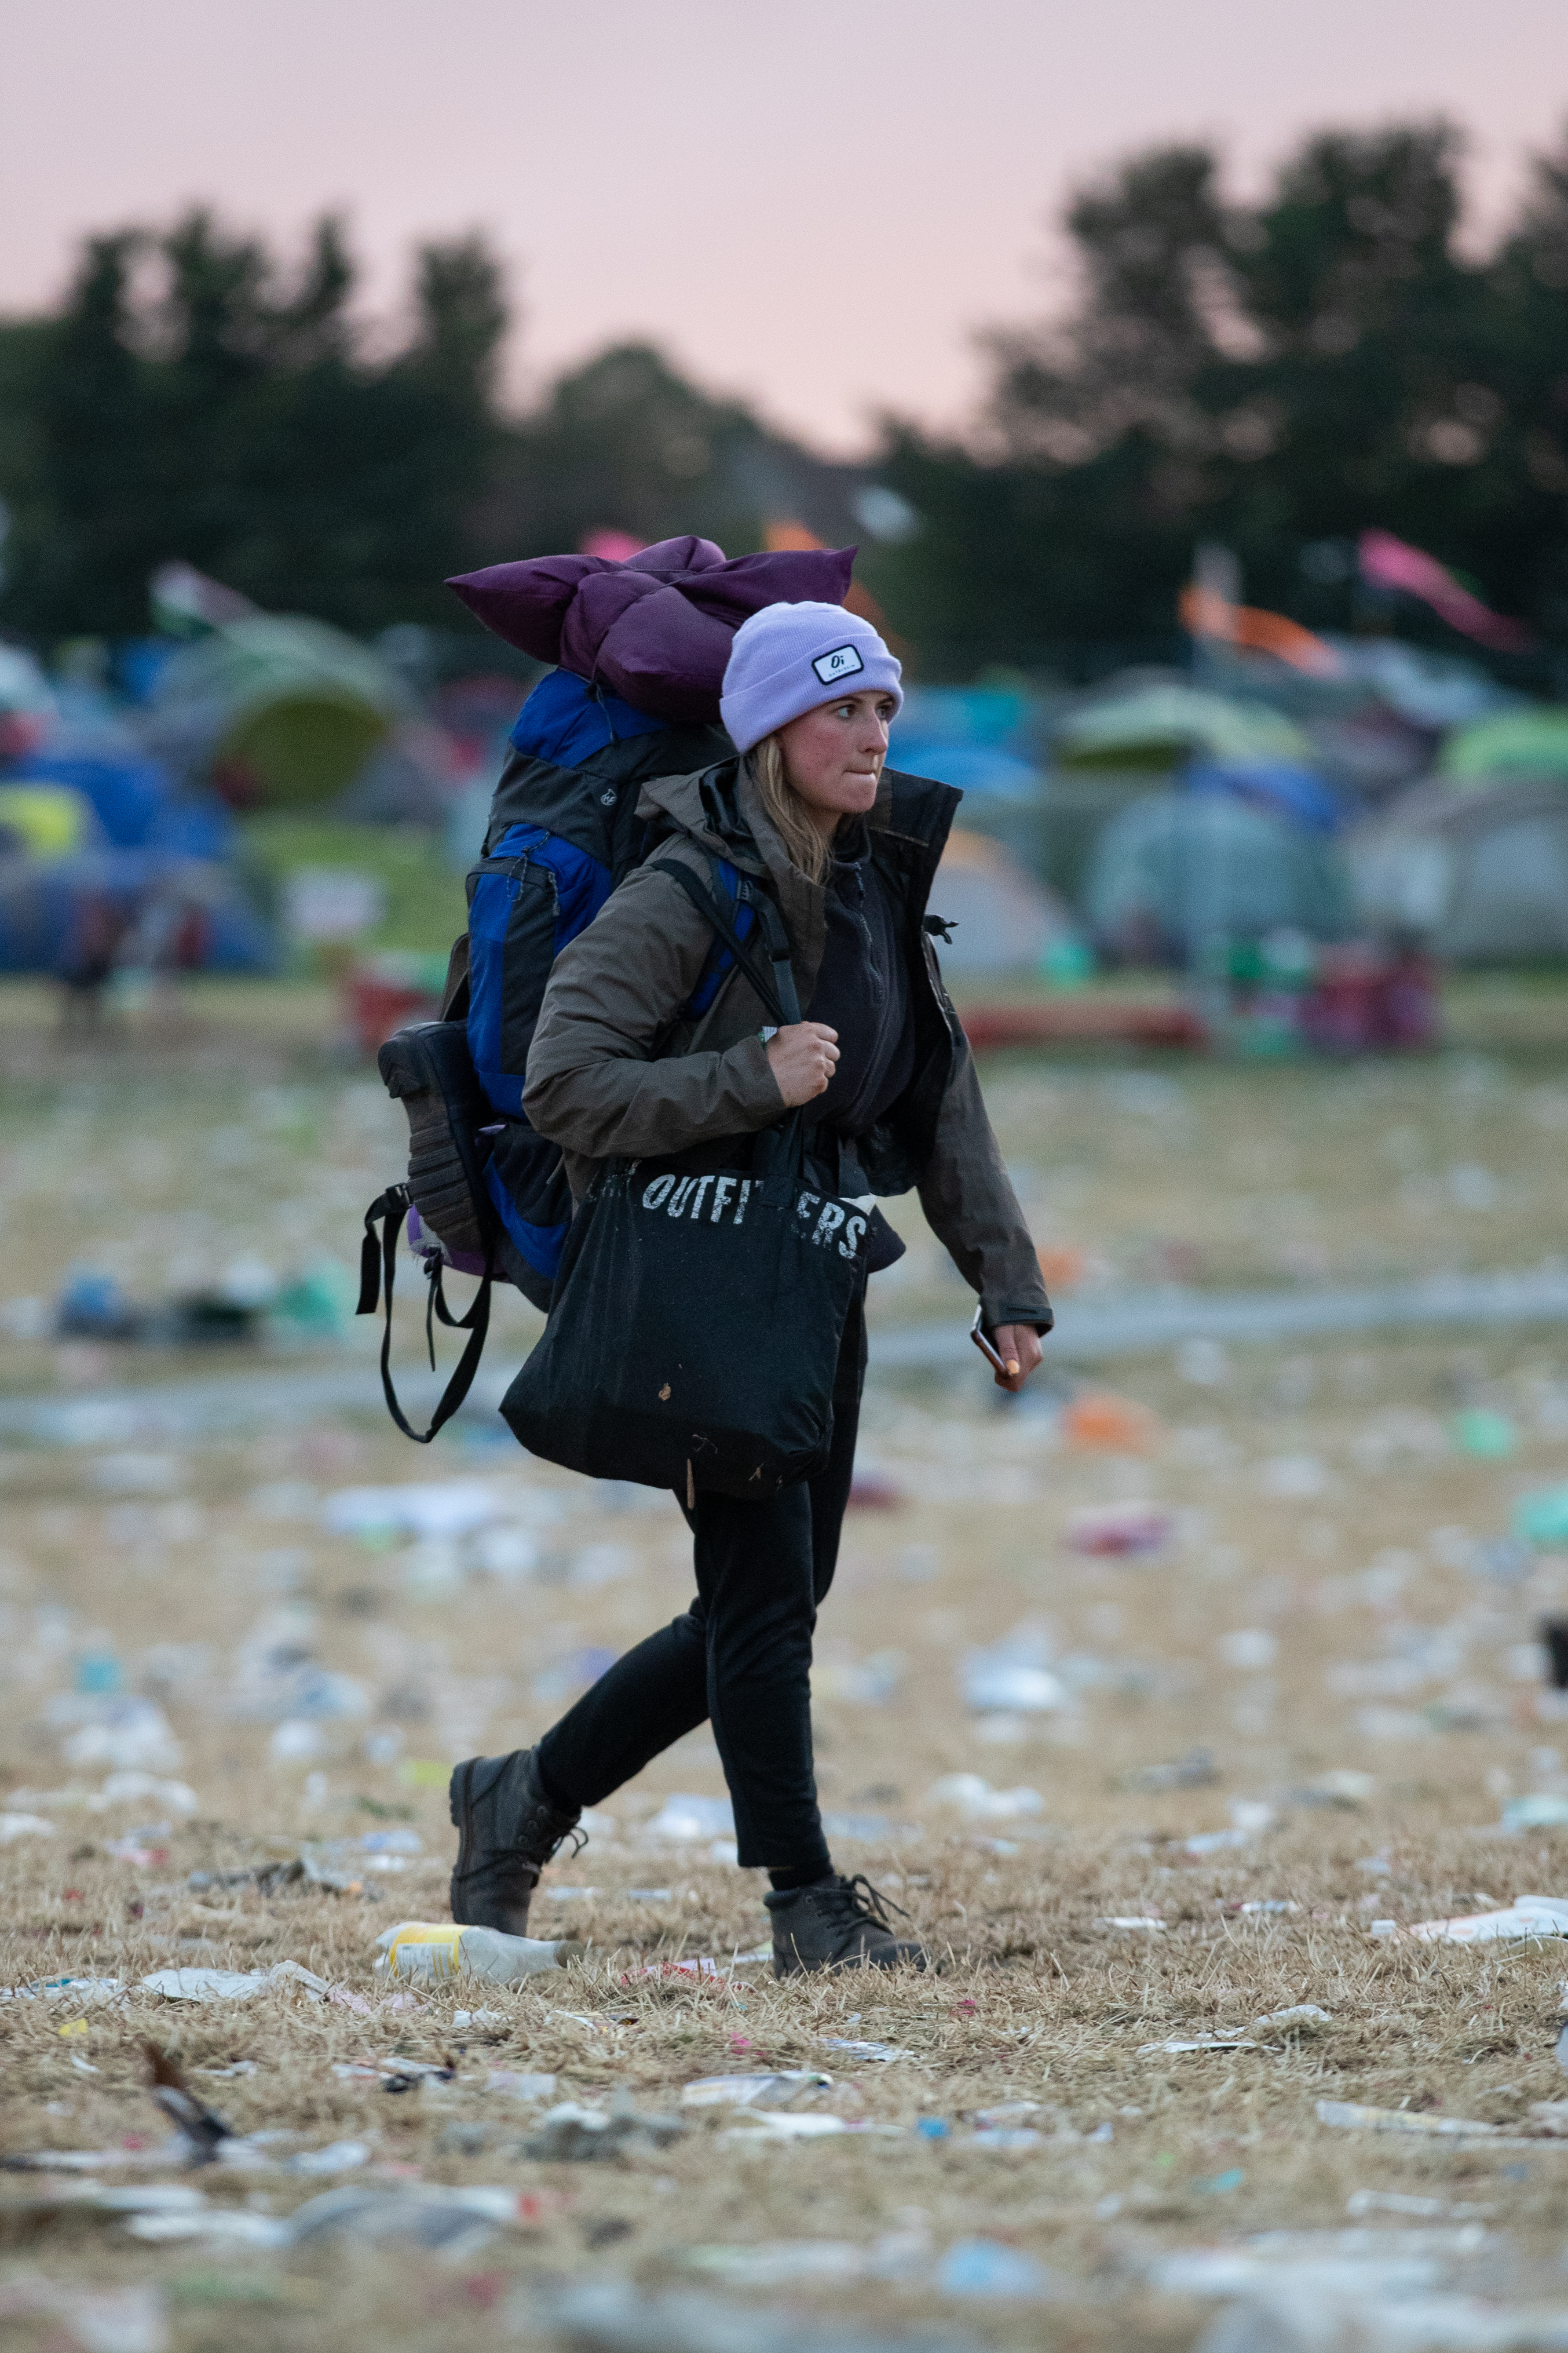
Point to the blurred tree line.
(186, 403)
(190, 400)
(1276, 375)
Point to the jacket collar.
(720, 807)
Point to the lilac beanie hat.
(787, 659)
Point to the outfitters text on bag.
(838, 1224)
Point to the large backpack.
(484, 1193)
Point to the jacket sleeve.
(593, 1086)
(973, 1210)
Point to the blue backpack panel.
(529, 897)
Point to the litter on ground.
(1200, 2042)
(433, 1949)
(1206, 1713)
(1351, 2117)
(1528, 1916)
(752, 2091)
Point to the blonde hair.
(808, 848)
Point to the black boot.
(507, 1831)
(837, 1924)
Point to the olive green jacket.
(616, 1068)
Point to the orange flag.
(1205, 613)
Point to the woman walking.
(624, 1063)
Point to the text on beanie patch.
(842, 662)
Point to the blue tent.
(972, 767)
(1279, 788)
(47, 905)
(135, 796)
(976, 737)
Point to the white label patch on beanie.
(842, 662)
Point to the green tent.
(291, 708)
(1157, 727)
(1531, 742)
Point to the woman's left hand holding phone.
(1018, 1346)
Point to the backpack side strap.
(377, 1266)
(455, 996)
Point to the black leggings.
(740, 1656)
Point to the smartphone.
(985, 1346)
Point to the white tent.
(1176, 868)
(1479, 876)
(1002, 918)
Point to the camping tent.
(25, 691)
(135, 801)
(1175, 868)
(149, 907)
(1278, 785)
(1434, 691)
(1479, 876)
(130, 801)
(1001, 916)
(1158, 725)
(1528, 742)
(280, 713)
(44, 821)
(975, 737)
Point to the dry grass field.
(1329, 1661)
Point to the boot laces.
(553, 1847)
(858, 1900)
(487, 1860)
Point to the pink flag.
(1390, 563)
(615, 545)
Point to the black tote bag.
(694, 1334)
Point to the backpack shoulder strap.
(778, 995)
(377, 1266)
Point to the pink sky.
(814, 206)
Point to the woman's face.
(833, 756)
